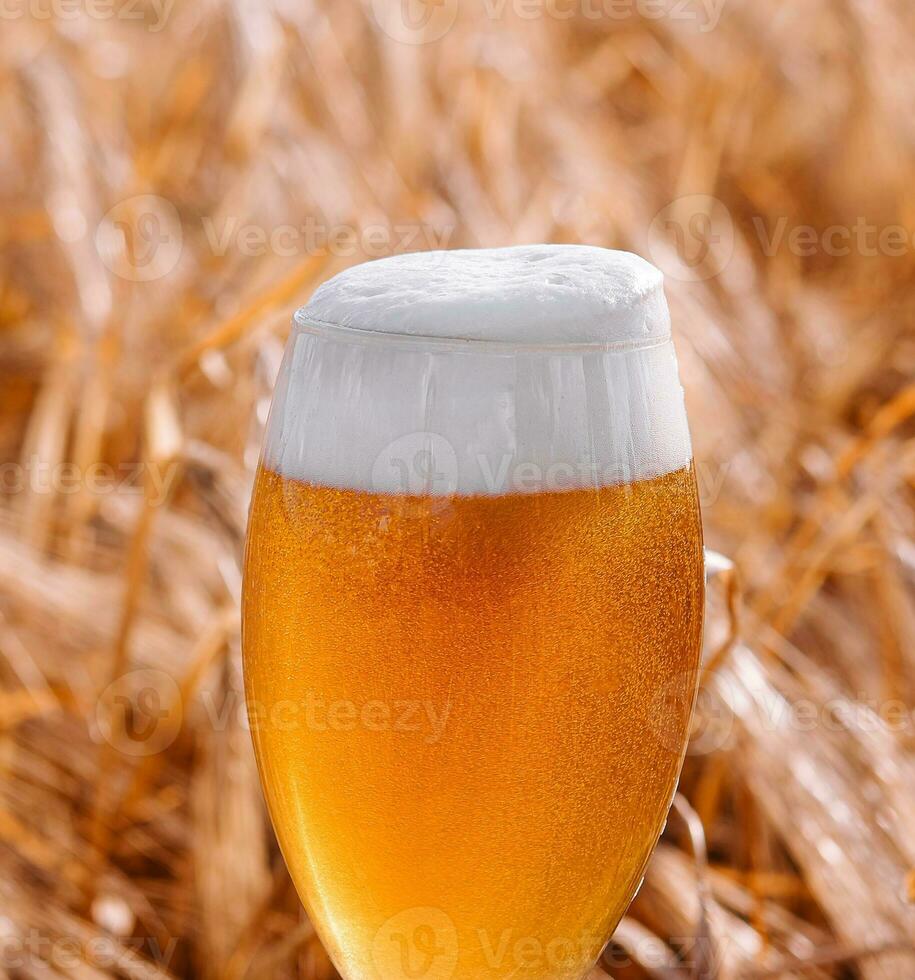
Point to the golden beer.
(456, 711)
(473, 608)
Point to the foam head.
(530, 369)
(550, 294)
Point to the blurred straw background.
(141, 324)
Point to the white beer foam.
(528, 294)
(591, 397)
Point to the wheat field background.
(175, 178)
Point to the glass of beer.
(473, 607)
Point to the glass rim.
(326, 330)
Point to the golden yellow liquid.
(470, 714)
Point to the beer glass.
(473, 608)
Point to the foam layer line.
(426, 418)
